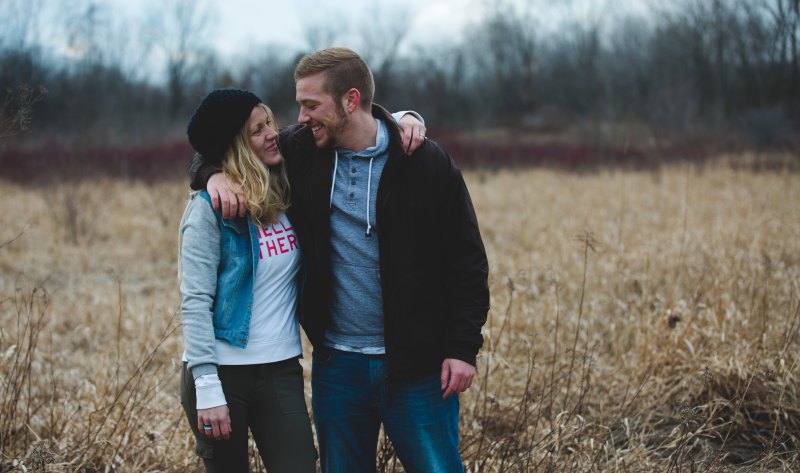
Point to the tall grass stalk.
(18, 347)
(672, 347)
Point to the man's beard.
(335, 133)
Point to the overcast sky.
(239, 27)
(283, 22)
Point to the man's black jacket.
(433, 266)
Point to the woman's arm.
(199, 260)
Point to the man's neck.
(361, 133)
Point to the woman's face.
(263, 137)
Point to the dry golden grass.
(639, 322)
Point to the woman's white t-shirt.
(274, 330)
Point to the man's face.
(318, 109)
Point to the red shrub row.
(166, 161)
(470, 153)
(51, 161)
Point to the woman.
(238, 282)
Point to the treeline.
(690, 71)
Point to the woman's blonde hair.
(266, 188)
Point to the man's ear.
(352, 100)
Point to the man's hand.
(218, 418)
(456, 376)
(412, 133)
(226, 195)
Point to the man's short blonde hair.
(343, 68)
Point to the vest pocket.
(235, 237)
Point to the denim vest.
(238, 262)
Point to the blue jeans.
(351, 397)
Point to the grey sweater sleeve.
(199, 260)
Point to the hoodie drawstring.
(333, 184)
(368, 234)
(369, 182)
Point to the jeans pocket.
(187, 389)
(321, 356)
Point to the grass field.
(640, 321)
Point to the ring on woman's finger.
(207, 427)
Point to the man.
(395, 289)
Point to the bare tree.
(321, 28)
(20, 23)
(785, 16)
(503, 51)
(270, 72)
(381, 37)
(89, 33)
(16, 109)
(377, 36)
(182, 28)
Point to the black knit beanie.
(217, 120)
